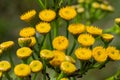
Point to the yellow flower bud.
(24, 42)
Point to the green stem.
(43, 41)
(44, 70)
(73, 78)
(67, 34)
(61, 75)
(50, 39)
(11, 61)
(45, 4)
(69, 2)
(7, 76)
(55, 29)
(34, 76)
(19, 78)
(41, 4)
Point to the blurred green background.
(10, 24)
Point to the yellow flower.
(80, 9)
(64, 79)
(46, 54)
(69, 59)
(59, 57)
(27, 32)
(43, 27)
(86, 39)
(107, 37)
(1, 51)
(4, 66)
(24, 42)
(6, 45)
(83, 53)
(113, 53)
(28, 15)
(76, 28)
(24, 52)
(99, 54)
(22, 70)
(67, 13)
(36, 66)
(110, 8)
(94, 30)
(33, 41)
(47, 15)
(95, 5)
(1, 74)
(81, 1)
(103, 6)
(68, 67)
(117, 20)
(60, 43)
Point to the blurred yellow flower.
(59, 57)
(76, 28)
(28, 15)
(22, 70)
(27, 32)
(60, 43)
(110, 8)
(86, 39)
(104, 7)
(36, 66)
(33, 41)
(64, 79)
(95, 5)
(69, 59)
(43, 27)
(107, 37)
(113, 53)
(1, 51)
(83, 53)
(47, 15)
(4, 66)
(81, 1)
(80, 9)
(68, 67)
(67, 12)
(24, 42)
(24, 52)
(94, 30)
(99, 54)
(6, 45)
(1, 74)
(117, 20)
(46, 54)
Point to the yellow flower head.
(59, 57)
(69, 59)
(28, 15)
(43, 27)
(36, 66)
(64, 79)
(83, 53)
(47, 15)
(6, 45)
(46, 54)
(22, 70)
(107, 37)
(80, 9)
(76, 28)
(27, 32)
(117, 20)
(95, 5)
(60, 43)
(81, 1)
(24, 52)
(68, 67)
(99, 54)
(1, 74)
(94, 30)
(110, 8)
(67, 13)
(104, 7)
(113, 53)
(24, 42)
(4, 66)
(33, 41)
(1, 51)
(86, 39)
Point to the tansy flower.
(1, 74)
(33, 41)
(60, 43)
(80, 9)
(94, 30)
(1, 51)
(83, 53)
(36, 66)
(47, 15)
(86, 39)
(99, 54)
(117, 21)
(27, 32)
(95, 5)
(68, 67)
(4, 66)
(6, 45)
(59, 57)
(110, 8)
(103, 6)
(107, 37)
(43, 27)
(28, 15)
(22, 70)
(69, 59)
(24, 42)
(46, 54)
(76, 28)
(24, 52)
(113, 53)
(67, 13)
(64, 79)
